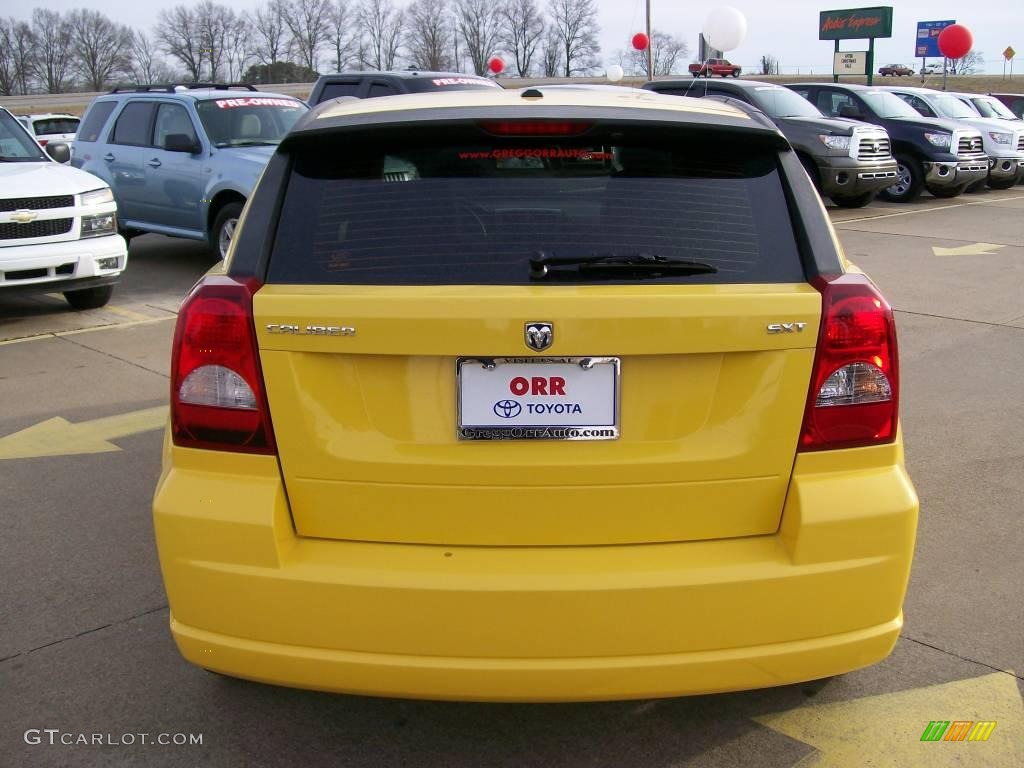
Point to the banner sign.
(928, 38)
(855, 23)
(850, 63)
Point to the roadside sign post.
(1008, 55)
(855, 24)
(927, 44)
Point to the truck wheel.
(854, 201)
(909, 181)
(945, 192)
(1002, 183)
(812, 171)
(735, 73)
(976, 186)
(89, 298)
(223, 229)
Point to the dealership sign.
(928, 38)
(855, 23)
(850, 63)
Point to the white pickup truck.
(58, 225)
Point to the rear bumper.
(820, 597)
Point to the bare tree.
(341, 33)
(307, 22)
(214, 23)
(521, 30)
(382, 24)
(429, 35)
(970, 64)
(479, 27)
(10, 61)
(270, 33)
(769, 65)
(666, 51)
(177, 30)
(238, 46)
(146, 64)
(551, 52)
(575, 22)
(100, 48)
(52, 62)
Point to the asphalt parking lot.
(84, 646)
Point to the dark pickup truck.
(848, 161)
(942, 156)
(368, 85)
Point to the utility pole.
(650, 45)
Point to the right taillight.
(218, 400)
(854, 394)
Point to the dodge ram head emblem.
(539, 335)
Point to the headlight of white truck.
(96, 226)
(98, 196)
(1001, 138)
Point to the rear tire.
(854, 201)
(223, 229)
(946, 192)
(89, 298)
(909, 181)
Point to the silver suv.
(183, 159)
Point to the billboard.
(855, 23)
(928, 38)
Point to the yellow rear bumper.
(820, 597)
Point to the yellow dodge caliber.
(534, 395)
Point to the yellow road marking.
(107, 327)
(925, 210)
(976, 249)
(130, 314)
(886, 730)
(59, 437)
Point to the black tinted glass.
(55, 125)
(336, 90)
(133, 124)
(380, 89)
(94, 120)
(476, 211)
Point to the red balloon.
(955, 41)
(640, 41)
(496, 65)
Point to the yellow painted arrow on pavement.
(886, 730)
(59, 437)
(976, 249)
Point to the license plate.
(538, 398)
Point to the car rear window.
(476, 210)
(449, 83)
(55, 125)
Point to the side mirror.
(181, 142)
(59, 151)
(850, 111)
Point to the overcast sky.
(786, 30)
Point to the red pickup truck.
(711, 67)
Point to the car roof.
(404, 74)
(535, 102)
(48, 115)
(696, 84)
(200, 94)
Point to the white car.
(51, 127)
(58, 225)
(933, 69)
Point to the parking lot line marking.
(974, 249)
(59, 437)
(107, 327)
(126, 313)
(925, 210)
(886, 730)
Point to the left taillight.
(218, 398)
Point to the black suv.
(368, 85)
(942, 156)
(848, 161)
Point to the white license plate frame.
(598, 418)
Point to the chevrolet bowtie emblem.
(24, 216)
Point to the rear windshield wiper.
(639, 265)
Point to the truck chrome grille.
(44, 228)
(874, 148)
(969, 145)
(1020, 143)
(36, 203)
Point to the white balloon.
(725, 28)
(614, 73)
